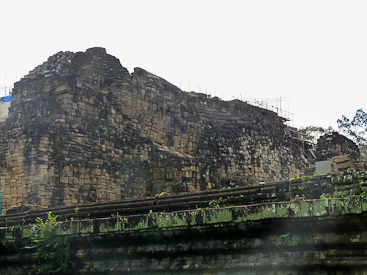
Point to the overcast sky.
(312, 54)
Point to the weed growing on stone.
(293, 199)
(304, 184)
(292, 242)
(285, 235)
(325, 196)
(216, 203)
(51, 249)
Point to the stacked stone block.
(93, 132)
(334, 144)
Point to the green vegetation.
(51, 249)
(325, 196)
(291, 242)
(216, 203)
(304, 184)
(356, 129)
(285, 235)
(312, 133)
(293, 199)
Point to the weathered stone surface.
(251, 232)
(93, 132)
(339, 185)
(317, 237)
(329, 146)
(56, 64)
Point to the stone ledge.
(211, 217)
(338, 185)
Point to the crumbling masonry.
(81, 129)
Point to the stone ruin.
(82, 129)
(336, 153)
(335, 144)
(55, 65)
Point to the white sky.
(311, 53)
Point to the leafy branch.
(51, 249)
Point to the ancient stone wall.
(253, 232)
(82, 129)
(332, 145)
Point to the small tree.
(356, 129)
(52, 249)
(312, 133)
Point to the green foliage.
(304, 184)
(76, 211)
(315, 173)
(356, 129)
(325, 196)
(312, 133)
(285, 235)
(293, 199)
(216, 203)
(51, 249)
(292, 242)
